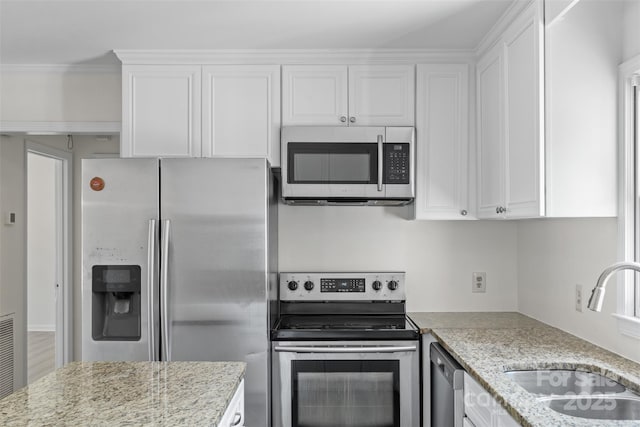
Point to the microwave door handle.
(380, 162)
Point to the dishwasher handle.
(450, 369)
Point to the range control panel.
(387, 286)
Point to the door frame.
(64, 243)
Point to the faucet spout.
(597, 295)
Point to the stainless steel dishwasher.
(447, 394)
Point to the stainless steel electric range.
(344, 352)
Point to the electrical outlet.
(579, 298)
(479, 282)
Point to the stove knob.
(392, 285)
(308, 285)
(376, 285)
(292, 285)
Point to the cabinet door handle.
(463, 212)
(237, 419)
(500, 210)
(352, 119)
(343, 119)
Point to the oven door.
(346, 384)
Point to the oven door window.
(330, 163)
(346, 393)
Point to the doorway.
(48, 259)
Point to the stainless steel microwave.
(348, 165)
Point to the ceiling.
(86, 31)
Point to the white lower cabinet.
(467, 423)
(234, 415)
(481, 409)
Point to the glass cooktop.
(344, 327)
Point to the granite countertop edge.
(127, 393)
(449, 328)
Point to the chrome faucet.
(597, 295)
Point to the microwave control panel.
(397, 164)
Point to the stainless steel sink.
(603, 407)
(579, 393)
(564, 382)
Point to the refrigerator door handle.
(152, 318)
(164, 286)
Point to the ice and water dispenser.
(116, 302)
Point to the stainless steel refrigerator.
(179, 263)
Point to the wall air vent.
(6, 354)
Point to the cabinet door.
(160, 111)
(314, 95)
(381, 95)
(442, 142)
(490, 190)
(234, 414)
(523, 98)
(241, 111)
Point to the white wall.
(631, 45)
(554, 256)
(41, 247)
(13, 238)
(438, 256)
(36, 95)
(12, 194)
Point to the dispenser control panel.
(116, 278)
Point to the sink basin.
(564, 382)
(596, 407)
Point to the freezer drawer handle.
(389, 349)
(164, 300)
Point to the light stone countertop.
(126, 393)
(487, 344)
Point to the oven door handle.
(300, 349)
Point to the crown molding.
(509, 15)
(290, 56)
(60, 128)
(61, 68)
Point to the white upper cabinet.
(201, 111)
(523, 50)
(314, 95)
(490, 152)
(241, 111)
(582, 108)
(510, 122)
(442, 146)
(381, 95)
(340, 95)
(160, 111)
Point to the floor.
(41, 358)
